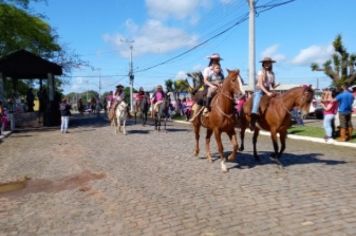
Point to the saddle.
(264, 103)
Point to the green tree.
(21, 29)
(341, 67)
(169, 85)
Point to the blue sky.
(294, 34)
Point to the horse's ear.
(228, 71)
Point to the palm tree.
(341, 68)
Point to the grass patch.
(315, 132)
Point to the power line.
(265, 7)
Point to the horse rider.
(118, 97)
(158, 97)
(140, 95)
(213, 77)
(265, 81)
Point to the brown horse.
(220, 118)
(275, 117)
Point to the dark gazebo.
(23, 64)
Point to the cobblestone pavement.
(91, 182)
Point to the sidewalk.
(295, 137)
(5, 134)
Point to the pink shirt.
(159, 96)
(333, 109)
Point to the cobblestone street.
(91, 182)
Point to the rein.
(220, 110)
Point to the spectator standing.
(345, 100)
(30, 100)
(64, 108)
(329, 104)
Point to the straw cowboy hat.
(267, 59)
(120, 86)
(215, 56)
(159, 87)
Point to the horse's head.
(306, 98)
(232, 83)
(122, 106)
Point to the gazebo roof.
(23, 64)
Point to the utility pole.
(131, 77)
(99, 83)
(251, 44)
(131, 74)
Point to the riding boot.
(208, 101)
(253, 121)
(342, 137)
(349, 135)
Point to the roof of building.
(23, 64)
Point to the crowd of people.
(337, 105)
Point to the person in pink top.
(330, 106)
(158, 97)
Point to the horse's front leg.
(235, 146)
(209, 132)
(242, 138)
(217, 134)
(124, 126)
(119, 125)
(254, 142)
(197, 136)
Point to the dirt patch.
(51, 186)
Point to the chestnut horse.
(275, 116)
(220, 118)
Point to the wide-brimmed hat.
(141, 89)
(267, 59)
(159, 87)
(119, 86)
(215, 56)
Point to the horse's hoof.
(241, 149)
(225, 170)
(231, 157)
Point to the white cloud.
(179, 9)
(272, 52)
(152, 37)
(314, 53)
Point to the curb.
(5, 134)
(293, 136)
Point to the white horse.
(119, 121)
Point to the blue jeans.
(256, 100)
(64, 123)
(327, 123)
